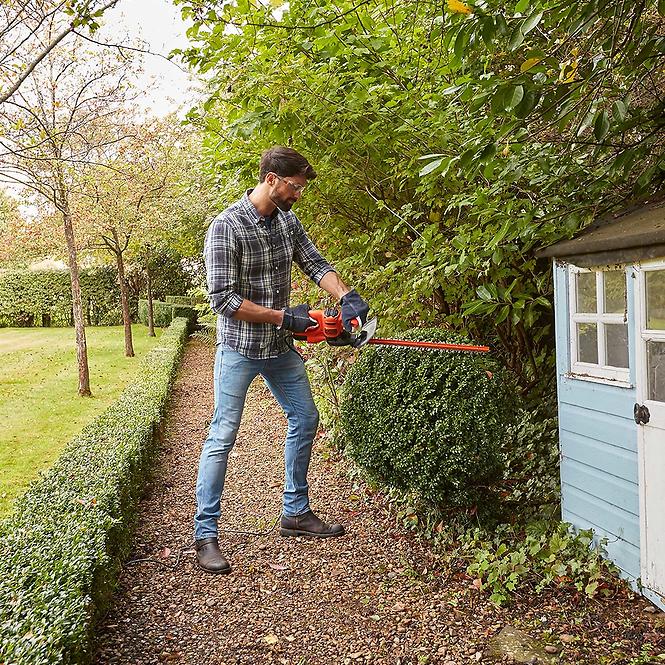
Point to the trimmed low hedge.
(429, 422)
(60, 551)
(165, 312)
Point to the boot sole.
(290, 533)
(223, 571)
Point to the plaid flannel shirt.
(245, 259)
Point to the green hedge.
(429, 422)
(61, 549)
(180, 300)
(162, 313)
(186, 311)
(44, 297)
(165, 312)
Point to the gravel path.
(376, 595)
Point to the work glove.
(353, 307)
(297, 319)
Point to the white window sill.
(617, 382)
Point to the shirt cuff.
(318, 275)
(228, 305)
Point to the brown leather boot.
(210, 557)
(308, 524)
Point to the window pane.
(616, 345)
(656, 370)
(586, 292)
(655, 299)
(615, 291)
(587, 343)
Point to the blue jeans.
(286, 378)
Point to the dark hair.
(285, 162)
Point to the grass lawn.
(40, 410)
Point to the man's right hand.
(297, 319)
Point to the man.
(249, 249)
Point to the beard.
(284, 204)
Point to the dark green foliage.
(450, 146)
(429, 422)
(61, 549)
(44, 297)
(186, 311)
(165, 312)
(532, 459)
(162, 313)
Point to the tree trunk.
(151, 312)
(124, 298)
(77, 307)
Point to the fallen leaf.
(165, 553)
(278, 566)
(271, 639)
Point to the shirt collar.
(253, 213)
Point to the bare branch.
(44, 52)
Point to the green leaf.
(514, 97)
(484, 293)
(528, 103)
(461, 42)
(487, 152)
(503, 314)
(601, 124)
(488, 30)
(661, 7)
(619, 110)
(521, 6)
(432, 166)
(467, 157)
(531, 22)
(516, 38)
(590, 589)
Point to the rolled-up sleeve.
(220, 253)
(307, 257)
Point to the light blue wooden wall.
(598, 439)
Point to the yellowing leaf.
(528, 64)
(568, 72)
(459, 7)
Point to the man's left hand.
(353, 307)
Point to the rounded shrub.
(430, 422)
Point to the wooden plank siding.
(598, 445)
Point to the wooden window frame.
(592, 371)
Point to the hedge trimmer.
(329, 329)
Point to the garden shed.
(609, 294)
